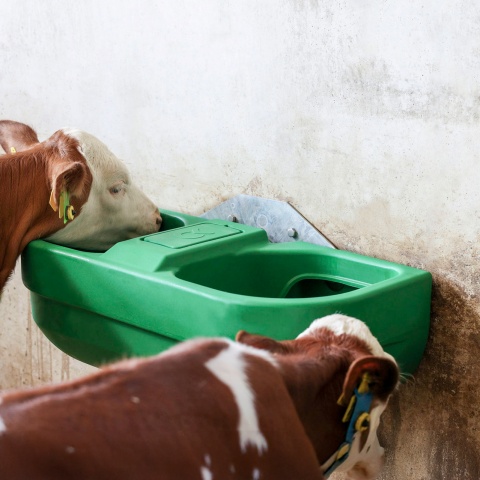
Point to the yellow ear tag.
(61, 207)
(344, 449)
(53, 202)
(348, 413)
(13, 150)
(364, 388)
(65, 210)
(71, 212)
(363, 422)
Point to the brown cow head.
(70, 189)
(340, 380)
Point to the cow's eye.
(116, 189)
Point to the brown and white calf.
(207, 409)
(69, 189)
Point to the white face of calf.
(365, 459)
(116, 209)
(365, 462)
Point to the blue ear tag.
(358, 417)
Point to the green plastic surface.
(214, 278)
(192, 235)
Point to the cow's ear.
(380, 374)
(260, 341)
(16, 136)
(70, 177)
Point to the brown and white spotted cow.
(69, 189)
(207, 409)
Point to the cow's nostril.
(158, 220)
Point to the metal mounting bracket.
(281, 221)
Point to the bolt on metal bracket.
(281, 221)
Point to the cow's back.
(204, 410)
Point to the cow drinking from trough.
(69, 189)
(210, 409)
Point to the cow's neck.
(25, 214)
(315, 386)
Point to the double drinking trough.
(211, 277)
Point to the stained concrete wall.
(364, 115)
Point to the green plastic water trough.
(201, 277)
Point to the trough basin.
(201, 278)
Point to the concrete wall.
(364, 115)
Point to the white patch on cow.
(3, 427)
(256, 474)
(130, 364)
(192, 345)
(205, 470)
(229, 367)
(185, 347)
(115, 210)
(70, 450)
(341, 324)
(206, 473)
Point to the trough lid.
(191, 235)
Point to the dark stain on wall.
(453, 361)
(434, 418)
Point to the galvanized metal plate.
(281, 221)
